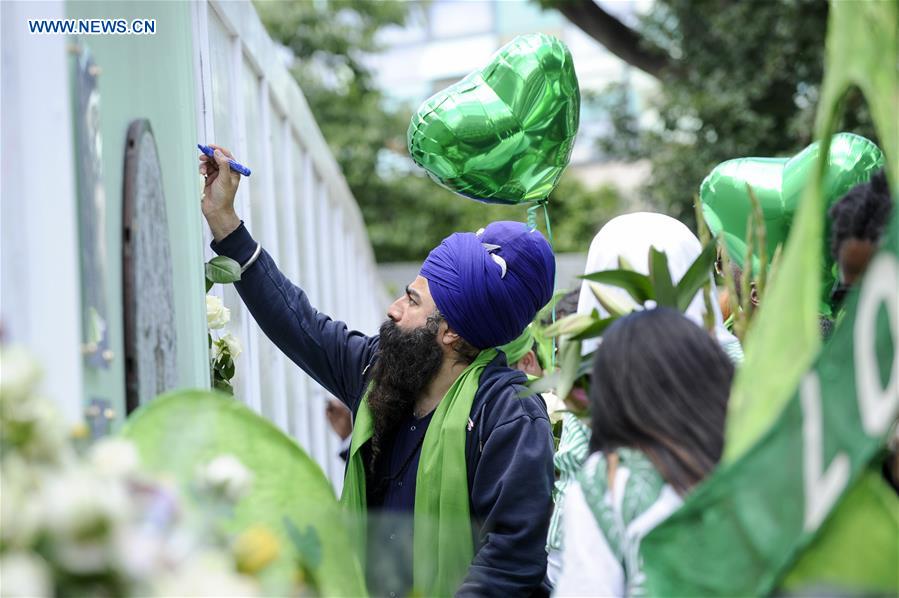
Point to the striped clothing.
(574, 447)
(734, 350)
(605, 525)
(573, 451)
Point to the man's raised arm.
(334, 356)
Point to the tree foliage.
(406, 213)
(738, 79)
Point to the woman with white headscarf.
(629, 238)
(626, 239)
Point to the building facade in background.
(444, 40)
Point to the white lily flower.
(555, 407)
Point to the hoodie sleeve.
(332, 355)
(511, 497)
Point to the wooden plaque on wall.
(149, 307)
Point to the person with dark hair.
(566, 306)
(625, 239)
(658, 400)
(859, 220)
(857, 223)
(445, 434)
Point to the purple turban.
(489, 285)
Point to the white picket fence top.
(296, 203)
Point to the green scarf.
(518, 348)
(442, 541)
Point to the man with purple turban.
(451, 460)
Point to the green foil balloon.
(502, 134)
(778, 183)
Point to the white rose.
(114, 457)
(226, 477)
(25, 574)
(217, 315)
(31, 424)
(230, 342)
(35, 428)
(19, 375)
(82, 513)
(19, 513)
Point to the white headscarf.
(630, 237)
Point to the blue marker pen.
(235, 166)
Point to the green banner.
(795, 504)
(785, 337)
(740, 532)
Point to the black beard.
(407, 363)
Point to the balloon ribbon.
(532, 224)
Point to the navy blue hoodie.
(509, 449)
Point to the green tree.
(736, 79)
(406, 213)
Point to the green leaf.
(696, 276)
(660, 277)
(596, 328)
(178, 431)
(546, 312)
(226, 367)
(623, 264)
(569, 365)
(545, 383)
(209, 283)
(609, 303)
(586, 366)
(223, 385)
(306, 543)
(222, 270)
(637, 285)
(573, 324)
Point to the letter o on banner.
(877, 403)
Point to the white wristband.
(252, 259)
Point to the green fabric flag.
(784, 336)
(442, 542)
(793, 494)
(857, 546)
(742, 530)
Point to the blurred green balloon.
(502, 134)
(778, 183)
(184, 429)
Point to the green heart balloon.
(182, 429)
(504, 133)
(777, 184)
